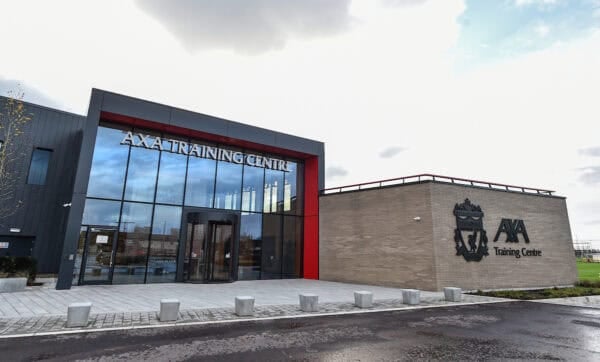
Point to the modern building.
(429, 232)
(139, 192)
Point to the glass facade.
(143, 193)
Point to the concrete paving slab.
(37, 301)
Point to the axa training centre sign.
(192, 149)
(469, 220)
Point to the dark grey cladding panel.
(250, 133)
(155, 112)
(299, 144)
(134, 107)
(198, 121)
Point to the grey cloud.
(590, 175)
(30, 94)
(334, 171)
(391, 151)
(248, 26)
(592, 222)
(591, 151)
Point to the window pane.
(171, 178)
(199, 190)
(38, 168)
(229, 185)
(132, 246)
(108, 165)
(250, 246)
(271, 247)
(273, 197)
(101, 212)
(79, 255)
(141, 175)
(292, 247)
(290, 195)
(162, 265)
(252, 192)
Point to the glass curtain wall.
(142, 192)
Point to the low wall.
(372, 237)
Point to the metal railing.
(438, 178)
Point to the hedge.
(18, 266)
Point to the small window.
(39, 166)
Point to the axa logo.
(512, 229)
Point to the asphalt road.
(515, 330)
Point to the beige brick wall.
(547, 225)
(370, 237)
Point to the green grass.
(582, 289)
(589, 284)
(588, 271)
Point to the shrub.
(18, 266)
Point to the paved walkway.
(41, 310)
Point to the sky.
(506, 91)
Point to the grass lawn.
(589, 284)
(588, 271)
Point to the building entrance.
(97, 254)
(210, 249)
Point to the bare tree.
(13, 147)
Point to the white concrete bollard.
(244, 306)
(9, 285)
(78, 314)
(309, 302)
(411, 296)
(363, 299)
(452, 294)
(169, 310)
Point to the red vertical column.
(311, 218)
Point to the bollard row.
(78, 313)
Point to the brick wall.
(547, 224)
(371, 237)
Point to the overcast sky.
(505, 91)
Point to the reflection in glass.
(38, 168)
(98, 258)
(194, 262)
(290, 189)
(250, 246)
(273, 197)
(108, 165)
(141, 175)
(292, 247)
(229, 185)
(101, 212)
(171, 178)
(79, 254)
(199, 190)
(132, 246)
(219, 262)
(271, 247)
(162, 263)
(252, 191)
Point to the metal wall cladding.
(42, 215)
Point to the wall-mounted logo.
(469, 220)
(512, 229)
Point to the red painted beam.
(311, 218)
